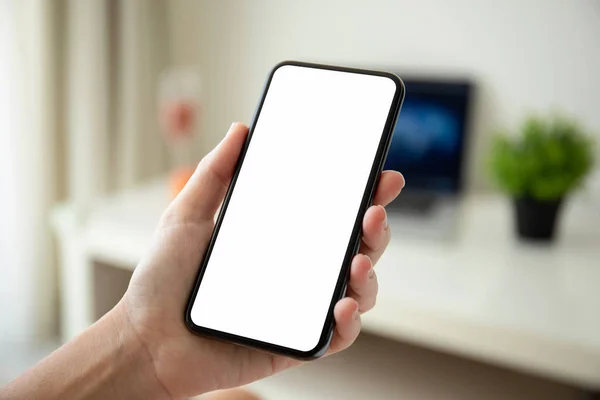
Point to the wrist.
(133, 360)
(107, 361)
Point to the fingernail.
(356, 314)
(371, 273)
(403, 181)
(231, 127)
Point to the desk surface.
(482, 294)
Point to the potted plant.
(538, 169)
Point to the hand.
(153, 306)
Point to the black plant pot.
(536, 220)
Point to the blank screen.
(279, 252)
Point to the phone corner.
(319, 350)
(398, 82)
(281, 64)
(314, 354)
(187, 319)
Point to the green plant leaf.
(551, 157)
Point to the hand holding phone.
(313, 121)
(188, 365)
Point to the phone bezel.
(353, 245)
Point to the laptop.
(429, 148)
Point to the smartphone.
(279, 257)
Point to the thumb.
(204, 192)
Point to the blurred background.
(490, 286)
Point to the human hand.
(186, 364)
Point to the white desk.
(483, 295)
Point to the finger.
(390, 186)
(376, 233)
(347, 328)
(204, 192)
(363, 283)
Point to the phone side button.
(344, 290)
(354, 252)
(357, 244)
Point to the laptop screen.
(429, 138)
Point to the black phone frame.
(355, 239)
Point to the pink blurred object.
(179, 118)
(179, 107)
(179, 103)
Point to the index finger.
(390, 185)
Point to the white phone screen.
(276, 260)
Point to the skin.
(142, 349)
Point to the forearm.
(107, 361)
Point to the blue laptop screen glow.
(428, 141)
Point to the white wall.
(10, 96)
(28, 296)
(526, 54)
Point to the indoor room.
(487, 286)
